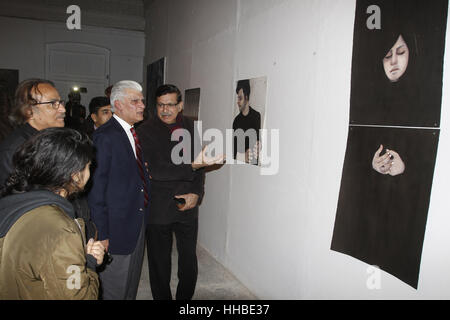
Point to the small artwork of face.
(395, 62)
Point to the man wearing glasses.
(37, 106)
(176, 193)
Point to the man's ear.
(117, 105)
(94, 117)
(29, 113)
(180, 106)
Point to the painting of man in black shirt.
(246, 126)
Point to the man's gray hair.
(118, 90)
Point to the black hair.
(97, 103)
(415, 98)
(245, 86)
(167, 89)
(48, 160)
(25, 98)
(108, 91)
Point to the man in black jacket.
(37, 106)
(176, 192)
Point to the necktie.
(140, 164)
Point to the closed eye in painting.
(395, 62)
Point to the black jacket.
(9, 146)
(7, 149)
(169, 179)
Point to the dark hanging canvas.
(9, 79)
(191, 103)
(252, 93)
(395, 106)
(155, 78)
(415, 98)
(381, 219)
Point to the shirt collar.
(123, 123)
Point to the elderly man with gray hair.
(119, 197)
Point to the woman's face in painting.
(395, 61)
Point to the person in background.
(100, 113)
(76, 112)
(43, 254)
(108, 92)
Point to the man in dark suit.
(119, 197)
(177, 190)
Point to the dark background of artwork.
(415, 100)
(191, 103)
(155, 78)
(381, 219)
(9, 79)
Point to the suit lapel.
(123, 137)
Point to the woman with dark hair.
(411, 97)
(42, 246)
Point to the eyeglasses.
(162, 105)
(55, 103)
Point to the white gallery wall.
(24, 41)
(274, 232)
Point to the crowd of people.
(79, 198)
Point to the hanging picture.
(155, 78)
(249, 112)
(191, 103)
(395, 106)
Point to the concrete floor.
(214, 281)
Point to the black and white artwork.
(155, 78)
(191, 103)
(395, 106)
(9, 79)
(249, 112)
(397, 69)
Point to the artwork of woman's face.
(396, 60)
